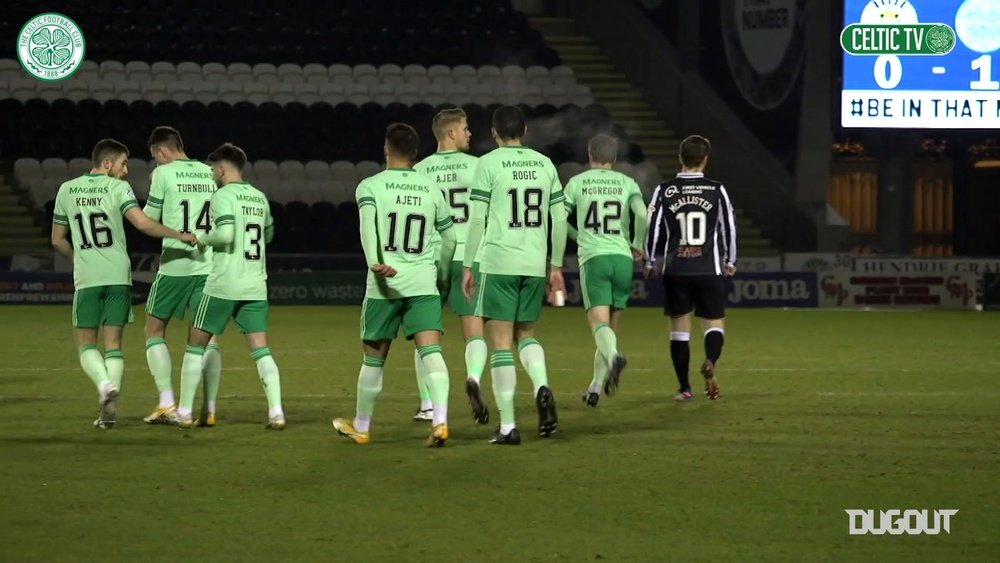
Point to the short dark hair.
(107, 148)
(166, 135)
(694, 150)
(402, 140)
(230, 153)
(508, 122)
(445, 118)
(603, 149)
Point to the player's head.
(165, 144)
(227, 164)
(694, 152)
(451, 129)
(508, 124)
(602, 149)
(110, 157)
(401, 142)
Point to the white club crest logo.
(51, 47)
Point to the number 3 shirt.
(692, 228)
(179, 196)
(408, 208)
(239, 268)
(92, 206)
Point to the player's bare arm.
(59, 242)
(149, 227)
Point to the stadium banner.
(316, 288)
(759, 264)
(744, 290)
(921, 266)
(948, 291)
(818, 262)
(23, 288)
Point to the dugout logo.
(51, 47)
(896, 522)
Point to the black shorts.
(705, 295)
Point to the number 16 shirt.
(92, 206)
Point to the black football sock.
(714, 339)
(680, 355)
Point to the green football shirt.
(452, 172)
(239, 269)
(408, 208)
(602, 199)
(519, 184)
(179, 197)
(92, 206)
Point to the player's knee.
(155, 328)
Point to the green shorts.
(380, 318)
(456, 299)
(213, 314)
(606, 280)
(510, 298)
(102, 305)
(172, 296)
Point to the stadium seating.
(287, 83)
(448, 32)
(320, 131)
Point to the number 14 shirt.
(179, 197)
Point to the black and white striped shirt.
(692, 228)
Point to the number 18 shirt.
(519, 184)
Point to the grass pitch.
(821, 411)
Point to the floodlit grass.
(821, 411)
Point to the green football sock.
(158, 359)
(533, 359)
(607, 342)
(600, 373)
(190, 378)
(504, 377)
(436, 379)
(114, 362)
(422, 388)
(211, 374)
(93, 365)
(270, 378)
(369, 386)
(476, 354)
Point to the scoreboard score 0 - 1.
(921, 64)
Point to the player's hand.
(468, 284)
(556, 282)
(383, 270)
(650, 273)
(188, 238)
(730, 271)
(638, 255)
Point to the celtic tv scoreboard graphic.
(921, 64)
